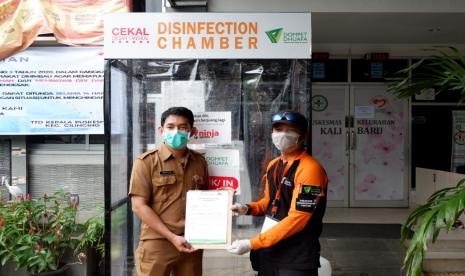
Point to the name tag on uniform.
(166, 172)
(268, 223)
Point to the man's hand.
(182, 245)
(239, 209)
(239, 247)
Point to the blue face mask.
(175, 139)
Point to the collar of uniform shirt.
(290, 160)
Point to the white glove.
(239, 209)
(239, 247)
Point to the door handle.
(352, 140)
(347, 140)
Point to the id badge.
(268, 223)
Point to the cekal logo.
(128, 35)
(287, 37)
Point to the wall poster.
(52, 90)
(458, 139)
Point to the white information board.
(223, 169)
(458, 139)
(212, 128)
(190, 94)
(59, 95)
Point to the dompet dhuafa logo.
(274, 35)
(288, 37)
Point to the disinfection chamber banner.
(208, 35)
(52, 90)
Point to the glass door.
(330, 145)
(378, 148)
(359, 135)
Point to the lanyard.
(279, 171)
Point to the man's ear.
(160, 130)
(193, 132)
(303, 137)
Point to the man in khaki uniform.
(159, 182)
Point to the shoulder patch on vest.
(310, 189)
(305, 203)
(307, 198)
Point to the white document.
(364, 112)
(190, 94)
(208, 219)
(268, 223)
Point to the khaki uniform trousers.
(161, 258)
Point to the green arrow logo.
(274, 35)
(307, 189)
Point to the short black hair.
(178, 111)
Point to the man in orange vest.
(294, 204)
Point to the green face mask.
(176, 139)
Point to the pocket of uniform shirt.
(161, 186)
(147, 250)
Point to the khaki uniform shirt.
(164, 183)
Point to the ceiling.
(396, 28)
